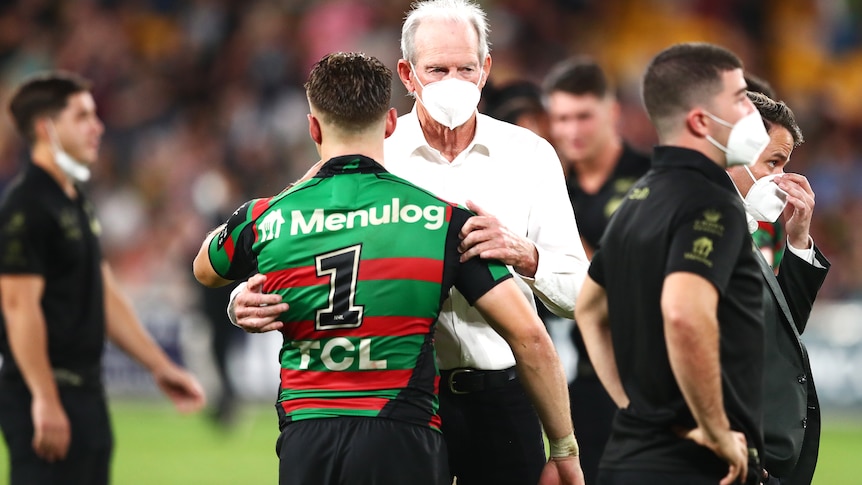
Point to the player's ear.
(695, 121)
(405, 73)
(314, 129)
(391, 121)
(40, 128)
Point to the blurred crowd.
(204, 106)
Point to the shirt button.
(804, 423)
(802, 379)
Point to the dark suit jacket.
(791, 410)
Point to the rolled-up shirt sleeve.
(552, 228)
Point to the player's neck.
(371, 148)
(42, 156)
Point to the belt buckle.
(451, 380)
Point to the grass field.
(154, 445)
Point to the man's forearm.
(543, 378)
(125, 329)
(689, 306)
(694, 358)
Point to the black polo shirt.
(683, 215)
(44, 232)
(593, 211)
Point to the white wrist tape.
(564, 447)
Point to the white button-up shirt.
(515, 175)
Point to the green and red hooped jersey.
(365, 259)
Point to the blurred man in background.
(60, 300)
(600, 168)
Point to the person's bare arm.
(540, 371)
(125, 330)
(591, 316)
(689, 306)
(28, 340)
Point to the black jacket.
(791, 409)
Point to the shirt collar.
(678, 157)
(349, 164)
(416, 137)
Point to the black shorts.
(361, 451)
(89, 456)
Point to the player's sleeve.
(25, 232)
(230, 251)
(708, 242)
(476, 276)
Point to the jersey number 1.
(342, 267)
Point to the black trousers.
(360, 451)
(640, 477)
(493, 436)
(592, 414)
(89, 456)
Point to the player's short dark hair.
(43, 94)
(776, 113)
(350, 89)
(683, 76)
(578, 76)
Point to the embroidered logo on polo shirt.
(710, 223)
(700, 251)
(639, 193)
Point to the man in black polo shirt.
(672, 311)
(600, 168)
(59, 299)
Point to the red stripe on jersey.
(421, 269)
(448, 213)
(293, 278)
(229, 247)
(259, 206)
(345, 381)
(371, 327)
(256, 210)
(360, 403)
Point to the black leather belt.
(465, 380)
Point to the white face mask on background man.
(450, 102)
(748, 137)
(73, 169)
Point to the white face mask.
(73, 169)
(451, 102)
(765, 200)
(748, 138)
